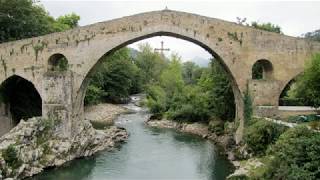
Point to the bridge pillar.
(57, 100)
(265, 96)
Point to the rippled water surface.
(150, 153)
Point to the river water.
(150, 153)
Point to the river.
(150, 153)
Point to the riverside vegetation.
(180, 92)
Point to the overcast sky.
(295, 18)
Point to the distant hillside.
(202, 62)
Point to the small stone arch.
(58, 62)
(262, 69)
(19, 100)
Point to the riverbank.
(37, 144)
(104, 114)
(226, 141)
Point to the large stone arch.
(204, 44)
(19, 100)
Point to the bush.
(94, 95)
(189, 105)
(261, 134)
(295, 155)
(156, 100)
(216, 126)
(10, 156)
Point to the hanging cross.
(162, 49)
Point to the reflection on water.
(150, 153)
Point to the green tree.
(173, 99)
(267, 27)
(314, 35)
(150, 63)
(70, 19)
(217, 83)
(94, 94)
(171, 77)
(308, 85)
(117, 77)
(191, 72)
(26, 18)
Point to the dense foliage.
(187, 92)
(261, 134)
(306, 89)
(150, 63)
(175, 90)
(216, 82)
(26, 18)
(114, 79)
(191, 72)
(294, 156)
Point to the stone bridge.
(33, 63)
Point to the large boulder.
(36, 144)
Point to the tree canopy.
(26, 18)
(307, 86)
(314, 35)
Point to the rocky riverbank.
(103, 114)
(36, 144)
(226, 141)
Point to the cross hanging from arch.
(161, 49)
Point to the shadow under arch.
(57, 62)
(262, 69)
(19, 100)
(236, 91)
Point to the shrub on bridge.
(294, 156)
(261, 134)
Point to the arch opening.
(289, 95)
(57, 62)
(262, 69)
(19, 100)
(237, 98)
